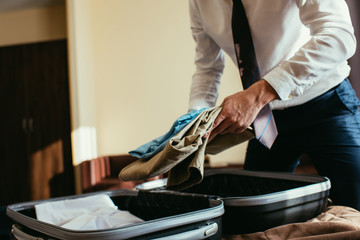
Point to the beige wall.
(32, 25)
(131, 63)
(82, 82)
(142, 64)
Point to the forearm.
(204, 89)
(209, 62)
(262, 92)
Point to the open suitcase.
(256, 201)
(167, 215)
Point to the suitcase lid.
(300, 186)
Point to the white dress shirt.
(302, 46)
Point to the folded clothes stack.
(96, 212)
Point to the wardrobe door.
(35, 142)
(49, 117)
(14, 164)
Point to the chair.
(102, 173)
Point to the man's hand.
(240, 109)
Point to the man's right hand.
(240, 109)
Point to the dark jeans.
(326, 128)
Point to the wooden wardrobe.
(35, 145)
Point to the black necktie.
(264, 124)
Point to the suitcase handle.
(20, 235)
(200, 233)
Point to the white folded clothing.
(94, 212)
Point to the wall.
(142, 65)
(130, 64)
(126, 86)
(82, 82)
(32, 25)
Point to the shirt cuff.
(197, 104)
(282, 83)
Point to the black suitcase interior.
(166, 214)
(256, 201)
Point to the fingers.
(226, 126)
(217, 121)
(216, 130)
(221, 126)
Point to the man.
(302, 47)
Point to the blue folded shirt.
(153, 147)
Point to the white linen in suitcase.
(95, 212)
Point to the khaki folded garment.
(336, 223)
(184, 154)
